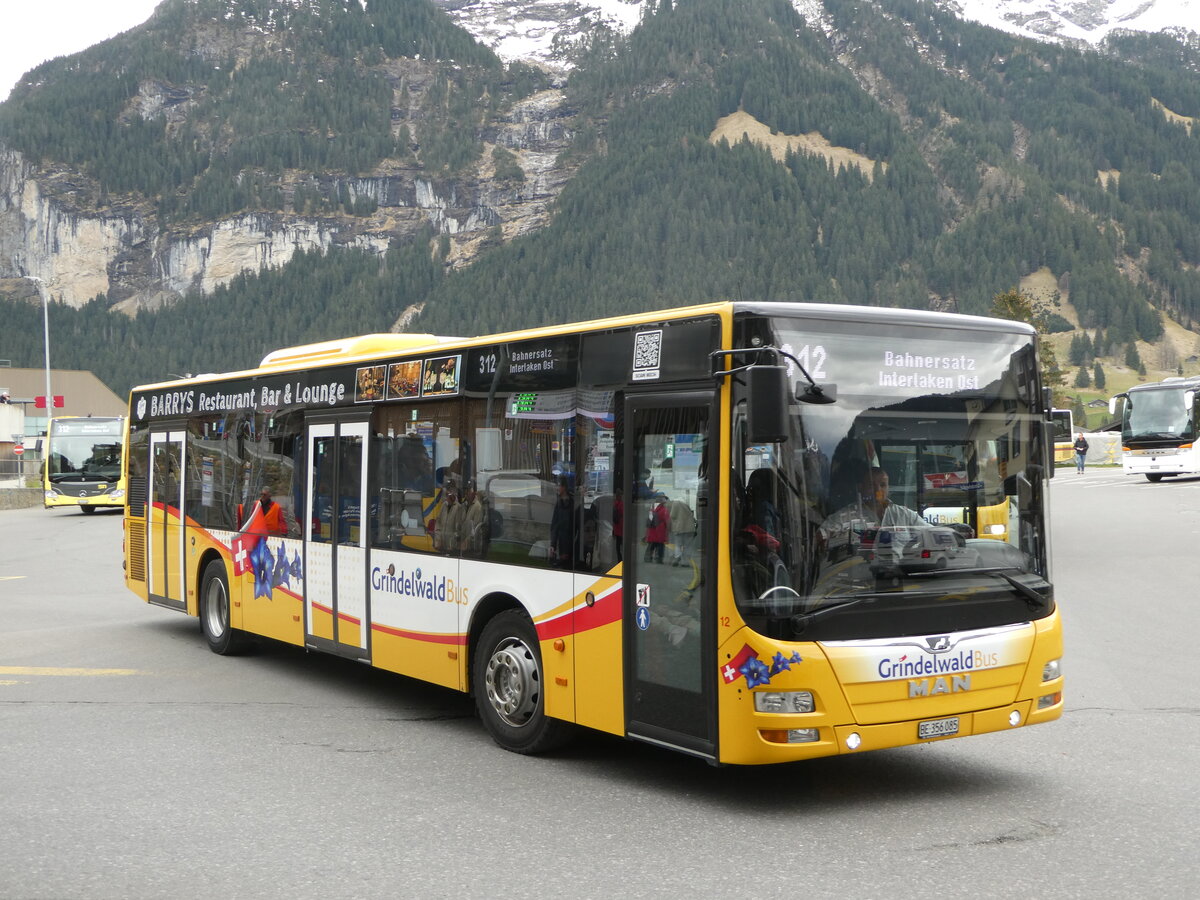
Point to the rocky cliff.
(54, 227)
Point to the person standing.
(658, 527)
(560, 527)
(1081, 448)
(683, 530)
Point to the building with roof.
(83, 395)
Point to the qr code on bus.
(647, 354)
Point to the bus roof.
(1175, 382)
(370, 346)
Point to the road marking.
(11, 577)
(50, 670)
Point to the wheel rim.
(216, 608)
(512, 681)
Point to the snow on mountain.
(543, 30)
(539, 30)
(1079, 20)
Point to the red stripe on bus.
(586, 618)
(457, 639)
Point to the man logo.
(938, 644)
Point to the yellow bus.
(1062, 422)
(82, 463)
(652, 526)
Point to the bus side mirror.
(1112, 403)
(767, 404)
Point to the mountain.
(239, 175)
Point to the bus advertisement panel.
(605, 525)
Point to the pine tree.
(1082, 379)
(1133, 359)
(1098, 375)
(1018, 306)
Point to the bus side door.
(165, 521)
(335, 539)
(669, 607)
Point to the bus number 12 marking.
(817, 356)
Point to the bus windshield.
(84, 449)
(1158, 415)
(911, 505)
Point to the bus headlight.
(51, 495)
(784, 701)
(117, 495)
(1052, 670)
(995, 529)
(792, 736)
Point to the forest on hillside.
(987, 155)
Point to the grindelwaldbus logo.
(415, 585)
(923, 665)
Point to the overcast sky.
(33, 31)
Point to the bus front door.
(335, 539)
(669, 607)
(164, 521)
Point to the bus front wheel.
(87, 510)
(509, 687)
(1154, 479)
(214, 612)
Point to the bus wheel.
(214, 612)
(509, 689)
(88, 510)
(1155, 479)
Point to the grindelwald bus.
(749, 532)
(1158, 428)
(83, 463)
(1062, 427)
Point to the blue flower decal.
(756, 672)
(263, 562)
(783, 663)
(296, 571)
(281, 575)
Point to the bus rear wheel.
(214, 612)
(1154, 479)
(509, 687)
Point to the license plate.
(937, 728)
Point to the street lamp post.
(46, 334)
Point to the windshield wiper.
(800, 620)
(1031, 597)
